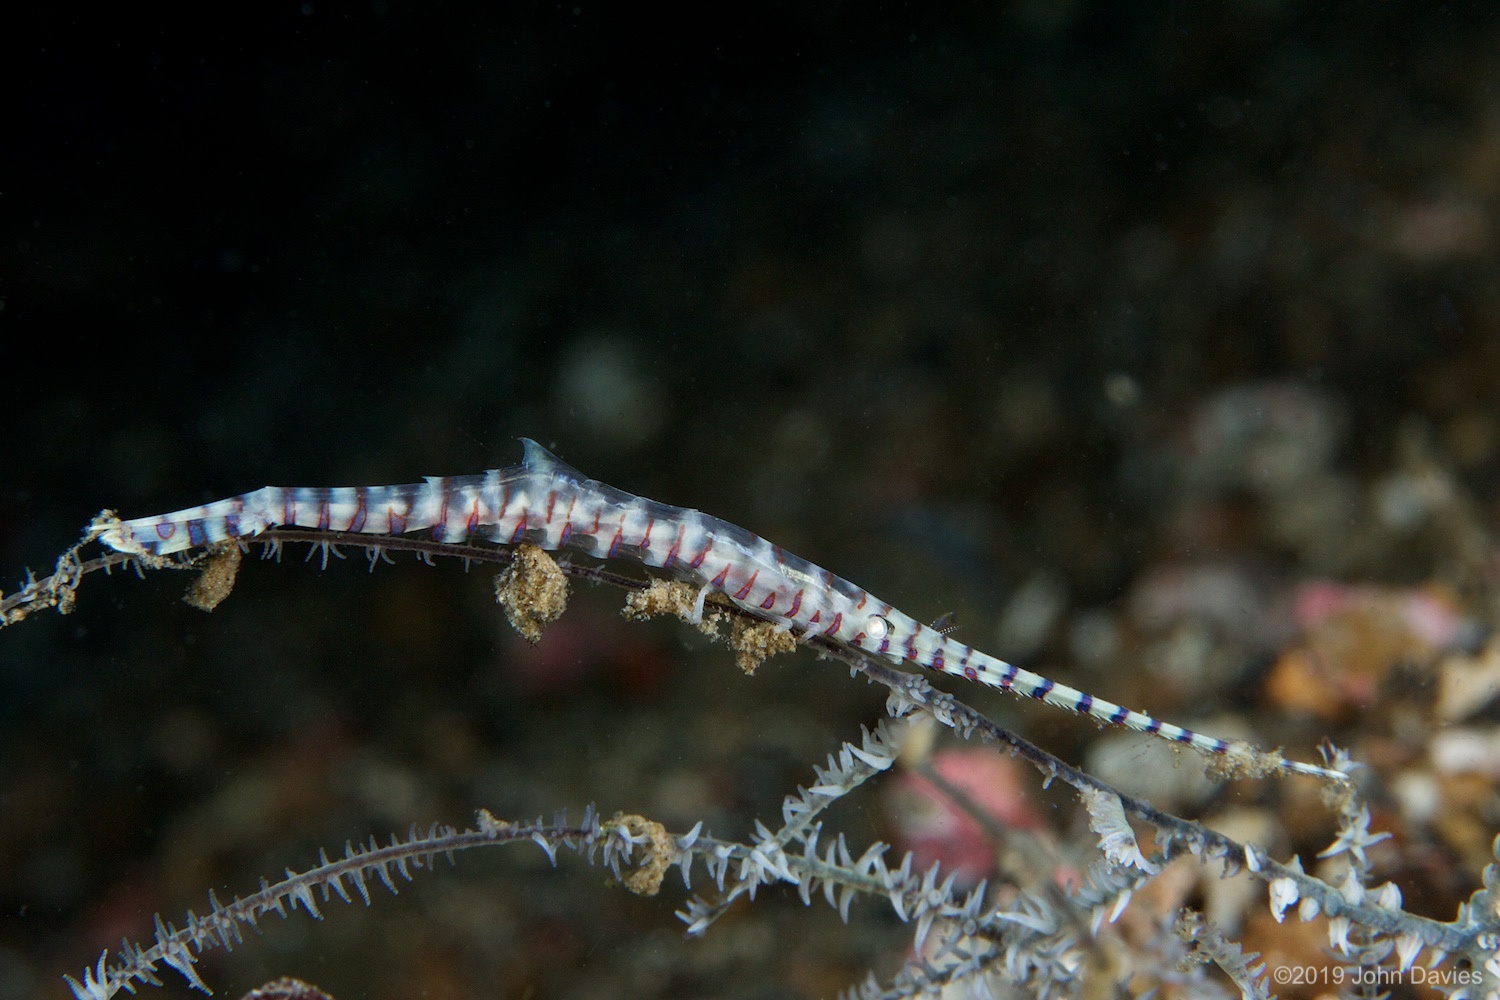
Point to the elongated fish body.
(552, 505)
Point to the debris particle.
(533, 592)
(672, 597)
(646, 878)
(287, 988)
(216, 579)
(756, 642)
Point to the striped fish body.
(548, 503)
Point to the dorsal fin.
(539, 459)
(945, 623)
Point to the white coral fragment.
(1338, 934)
(1284, 893)
(96, 983)
(1354, 836)
(1116, 838)
(1407, 948)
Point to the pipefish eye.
(877, 627)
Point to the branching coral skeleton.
(1039, 939)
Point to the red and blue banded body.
(548, 503)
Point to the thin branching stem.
(1358, 919)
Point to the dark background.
(948, 298)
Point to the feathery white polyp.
(553, 506)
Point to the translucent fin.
(539, 459)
